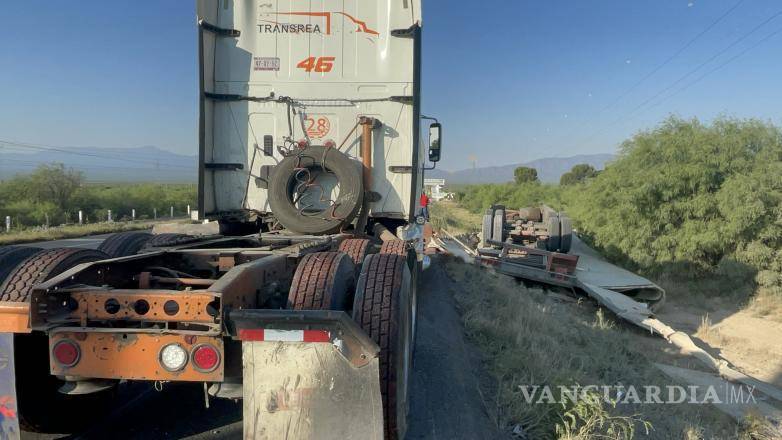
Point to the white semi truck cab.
(310, 114)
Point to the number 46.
(321, 64)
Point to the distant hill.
(139, 164)
(549, 169)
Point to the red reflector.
(259, 334)
(316, 336)
(66, 353)
(206, 357)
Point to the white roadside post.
(133, 215)
(172, 212)
(188, 210)
(8, 223)
(81, 217)
(108, 217)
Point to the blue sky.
(512, 80)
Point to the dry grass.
(71, 231)
(457, 220)
(530, 339)
(767, 304)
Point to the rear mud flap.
(305, 390)
(9, 415)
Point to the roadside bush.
(55, 193)
(690, 193)
(477, 198)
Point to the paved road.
(445, 397)
(90, 242)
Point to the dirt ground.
(750, 343)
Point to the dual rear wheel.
(381, 300)
(42, 408)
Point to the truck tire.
(394, 247)
(169, 239)
(486, 230)
(41, 266)
(554, 234)
(530, 214)
(124, 243)
(283, 181)
(565, 234)
(11, 256)
(382, 307)
(42, 408)
(498, 227)
(356, 248)
(323, 281)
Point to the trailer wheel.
(323, 281)
(356, 248)
(486, 230)
(498, 233)
(565, 234)
(169, 239)
(382, 307)
(394, 247)
(124, 243)
(11, 256)
(531, 214)
(42, 408)
(554, 233)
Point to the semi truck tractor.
(296, 292)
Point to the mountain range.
(138, 164)
(549, 169)
(153, 164)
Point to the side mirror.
(435, 141)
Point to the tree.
(690, 195)
(578, 174)
(55, 184)
(525, 174)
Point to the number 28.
(320, 64)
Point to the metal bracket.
(402, 99)
(405, 33)
(400, 169)
(222, 32)
(224, 166)
(356, 346)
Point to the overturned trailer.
(303, 301)
(538, 244)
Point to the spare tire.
(283, 182)
(531, 214)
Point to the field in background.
(53, 195)
(71, 231)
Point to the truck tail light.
(205, 357)
(66, 353)
(173, 357)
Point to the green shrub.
(688, 193)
